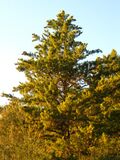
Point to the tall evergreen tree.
(56, 74)
(62, 90)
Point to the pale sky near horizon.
(100, 20)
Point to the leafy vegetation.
(69, 107)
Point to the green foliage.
(69, 107)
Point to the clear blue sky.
(100, 20)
